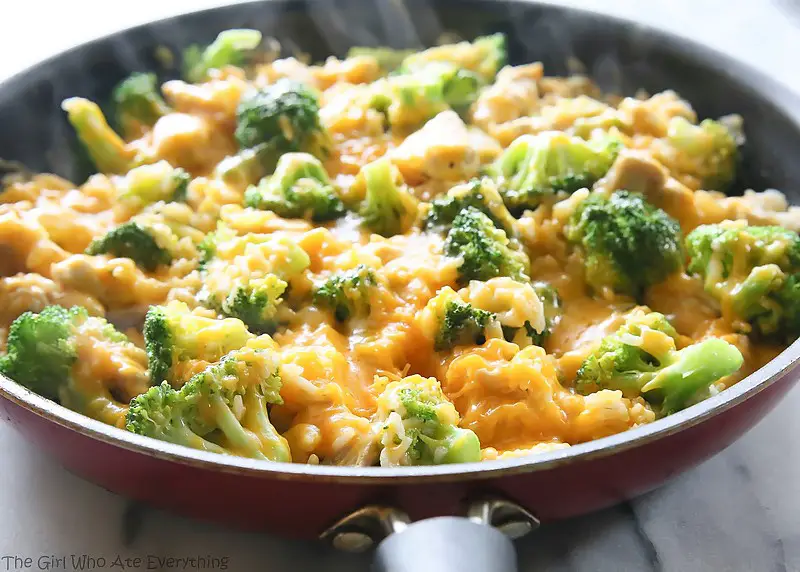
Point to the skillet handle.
(478, 542)
(446, 544)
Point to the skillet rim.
(772, 91)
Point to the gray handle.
(446, 544)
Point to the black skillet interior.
(620, 56)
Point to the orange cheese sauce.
(518, 400)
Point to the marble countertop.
(739, 511)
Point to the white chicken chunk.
(444, 149)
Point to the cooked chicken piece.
(638, 172)
(442, 149)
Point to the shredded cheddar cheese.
(518, 397)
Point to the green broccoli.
(753, 271)
(43, 352)
(135, 241)
(299, 188)
(285, 117)
(347, 293)
(150, 184)
(709, 151)
(628, 244)
(138, 103)
(255, 303)
(246, 277)
(435, 80)
(459, 323)
(107, 150)
(246, 167)
(412, 97)
(641, 359)
(388, 59)
(223, 409)
(388, 207)
(479, 193)
(483, 57)
(152, 238)
(228, 49)
(449, 85)
(536, 168)
(208, 246)
(419, 426)
(485, 250)
(177, 339)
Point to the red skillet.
(356, 507)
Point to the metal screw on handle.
(508, 517)
(361, 530)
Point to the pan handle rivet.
(515, 528)
(352, 541)
(508, 517)
(360, 530)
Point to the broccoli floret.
(438, 79)
(177, 340)
(150, 184)
(641, 359)
(459, 323)
(138, 103)
(752, 270)
(223, 409)
(388, 59)
(485, 250)
(163, 414)
(152, 238)
(280, 118)
(299, 188)
(419, 426)
(155, 237)
(347, 294)
(553, 311)
(43, 351)
(478, 193)
(285, 117)
(788, 298)
(256, 303)
(246, 277)
(536, 168)
(483, 57)
(708, 151)
(388, 207)
(134, 241)
(628, 243)
(107, 150)
(230, 48)
(440, 83)
(415, 95)
(40, 350)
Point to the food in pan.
(397, 258)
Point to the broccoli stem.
(227, 49)
(181, 434)
(454, 445)
(248, 166)
(108, 151)
(240, 439)
(273, 445)
(694, 369)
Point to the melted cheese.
(518, 400)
